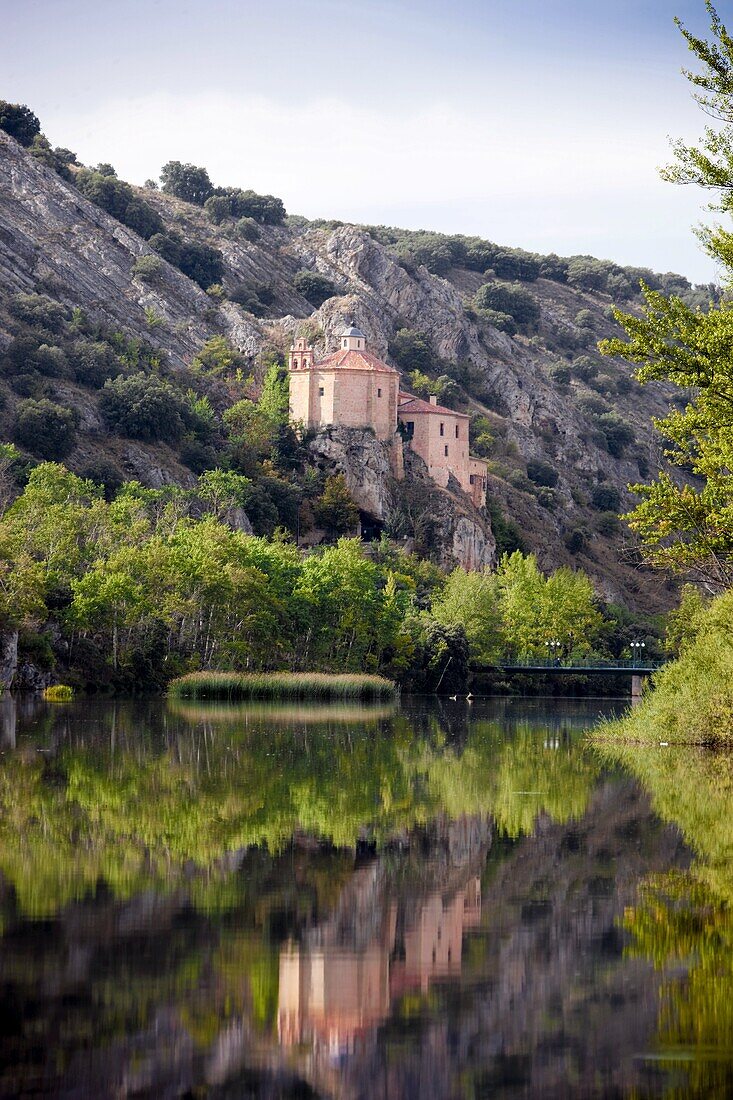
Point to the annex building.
(352, 388)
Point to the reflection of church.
(331, 994)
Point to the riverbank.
(690, 701)
(281, 686)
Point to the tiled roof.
(417, 405)
(354, 360)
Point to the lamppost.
(553, 650)
(636, 654)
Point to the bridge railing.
(590, 664)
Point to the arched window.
(295, 362)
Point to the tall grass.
(691, 701)
(280, 685)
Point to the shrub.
(218, 208)
(335, 511)
(593, 406)
(186, 181)
(315, 288)
(147, 268)
(119, 200)
(203, 264)
(19, 121)
(584, 318)
(265, 209)
(585, 368)
(576, 539)
(28, 384)
(617, 432)
(247, 229)
(515, 263)
(104, 472)
(58, 693)
(499, 320)
(144, 406)
(38, 312)
(606, 498)
(608, 524)
(45, 429)
(541, 473)
(588, 273)
(94, 362)
(52, 362)
(412, 350)
(560, 374)
(513, 299)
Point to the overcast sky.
(534, 123)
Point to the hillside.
(565, 431)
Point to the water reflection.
(436, 900)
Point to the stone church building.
(352, 388)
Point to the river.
(443, 899)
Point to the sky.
(534, 123)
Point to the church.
(352, 388)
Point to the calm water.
(439, 900)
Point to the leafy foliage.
(186, 182)
(315, 288)
(46, 429)
(144, 406)
(19, 121)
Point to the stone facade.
(352, 388)
(440, 436)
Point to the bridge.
(591, 666)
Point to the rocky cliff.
(56, 242)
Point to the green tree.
(686, 527)
(471, 601)
(537, 609)
(335, 510)
(513, 299)
(186, 181)
(315, 288)
(19, 121)
(144, 406)
(45, 428)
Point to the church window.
(456, 431)
(295, 362)
(442, 429)
(379, 391)
(321, 391)
(358, 343)
(446, 450)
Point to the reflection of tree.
(133, 810)
(683, 921)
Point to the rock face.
(365, 462)
(56, 242)
(462, 533)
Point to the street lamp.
(636, 654)
(553, 650)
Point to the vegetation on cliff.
(499, 333)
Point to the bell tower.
(301, 356)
